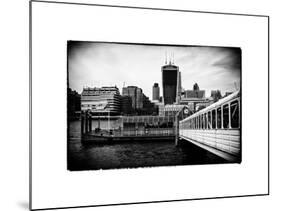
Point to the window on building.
(214, 119)
(234, 110)
(225, 116)
(219, 118)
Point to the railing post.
(216, 118)
(211, 121)
(239, 116)
(229, 116)
(222, 127)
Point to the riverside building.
(101, 101)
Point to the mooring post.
(98, 121)
(82, 123)
(122, 126)
(176, 130)
(86, 122)
(90, 123)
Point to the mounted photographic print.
(132, 105)
(140, 105)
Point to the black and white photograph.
(132, 105)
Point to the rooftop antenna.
(170, 59)
(123, 84)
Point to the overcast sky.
(106, 64)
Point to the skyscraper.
(155, 92)
(139, 98)
(136, 95)
(170, 81)
(140, 104)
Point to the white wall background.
(14, 106)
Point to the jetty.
(128, 128)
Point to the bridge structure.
(216, 128)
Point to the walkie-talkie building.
(170, 74)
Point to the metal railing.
(148, 132)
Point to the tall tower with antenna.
(170, 81)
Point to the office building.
(101, 101)
(126, 105)
(139, 98)
(149, 108)
(195, 99)
(195, 93)
(136, 96)
(155, 92)
(170, 83)
(140, 103)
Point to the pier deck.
(124, 136)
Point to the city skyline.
(92, 64)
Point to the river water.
(132, 155)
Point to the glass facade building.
(170, 79)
